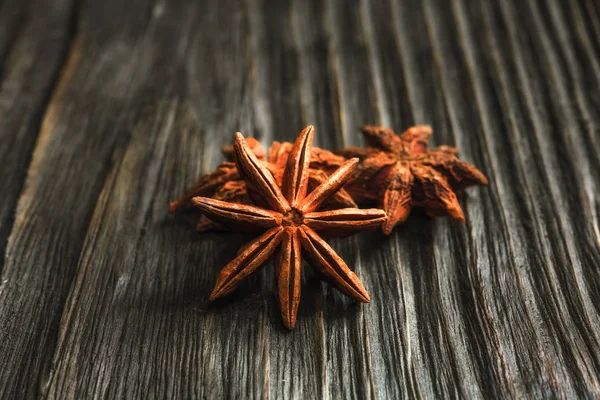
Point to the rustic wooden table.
(109, 109)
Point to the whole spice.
(225, 182)
(400, 172)
(292, 223)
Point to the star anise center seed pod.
(293, 217)
(291, 223)
(400, 172)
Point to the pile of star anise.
(294, 194)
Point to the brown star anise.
(291, 222)
(225, 182)
(401, 172)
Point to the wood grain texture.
(108, 110)
(33, 45)
(34, 38)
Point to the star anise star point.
(291, 223)
(400, 172)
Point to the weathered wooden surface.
(110, 109)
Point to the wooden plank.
(342, 342)
(541, 265)
(11, 20)
(284, 84)
(425, 333)
(34, 37)
(475, 277)
(276, 69)
(82, 126)
(348, 51)
(31, 53)
(140, 310)
(104, 295)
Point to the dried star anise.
(226, 184)
(291, 222)
(400, 172)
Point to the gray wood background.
(109, 109)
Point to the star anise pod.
(292, 223)
(400, 172)
(225, 182)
